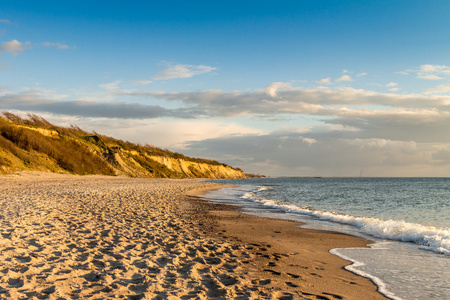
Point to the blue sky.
(330, 88)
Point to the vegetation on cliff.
(34, 144)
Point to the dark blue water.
(407, 218)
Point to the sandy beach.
(98, 237)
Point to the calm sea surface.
(407, 218)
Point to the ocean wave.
(428, 237)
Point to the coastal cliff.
(34, 144)
(198, 169)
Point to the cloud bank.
(429, 72)
(352, 130)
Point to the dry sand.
(96, 237)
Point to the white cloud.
(382, 143)
(182, 71)
(167, 133)
(288, 154)
(393, 86)
(313, 101)
(401, 116)
(324, 81)
(5, 21)
(434, 68)
(429, 77)
(429, 72)
(14, 47)
(177, 134)
(113, 86)
(38, 102)
(272, 88)
(92, 98)
(44, 93)
(56, 45)
(309, 141)
(440, 89)
(362, 74)
(141, 81)
(344, 78)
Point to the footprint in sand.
(15, 282)
(272, 271)
(288, 283)
(271, 264)
(293, 275)
(265, 282)
(315, 274)
(333, 295)
(92, 277)
(227, 279)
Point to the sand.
(98, 237)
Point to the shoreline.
(294, 260)
(85, 237)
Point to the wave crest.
(429, 237)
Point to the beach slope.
(99, 237)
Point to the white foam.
(354, 268)
(430, 238)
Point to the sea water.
(408, 220)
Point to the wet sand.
(97, 237)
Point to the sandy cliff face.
(36, 145)
(135, 164)
(194, 169)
